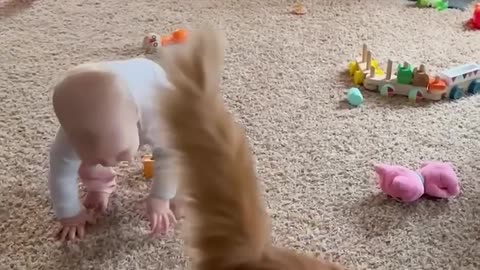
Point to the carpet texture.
(284, 81)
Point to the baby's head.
(98, 116)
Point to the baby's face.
(107, 147)
(98, 115)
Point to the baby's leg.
(99, 182)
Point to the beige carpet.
(283, 81)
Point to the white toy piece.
(151, 42)
(462, 80)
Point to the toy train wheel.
(455, 93)
(474, 87)
(415, 95)
(387, 90)
(358, 77)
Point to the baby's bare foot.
(97, 201)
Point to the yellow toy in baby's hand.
(148, 166)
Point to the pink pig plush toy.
(434, 178)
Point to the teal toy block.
(354, 97)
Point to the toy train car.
(415, 83)
(462, 80)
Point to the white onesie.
(144, 78)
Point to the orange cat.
(226, 221)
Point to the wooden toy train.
(415, 83)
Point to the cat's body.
(226, 220)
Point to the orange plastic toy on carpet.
(299, 9)
(176, 37)
(152, 41)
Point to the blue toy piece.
(354, 97)
(455, 93)
(474, 87)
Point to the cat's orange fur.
(227, 224)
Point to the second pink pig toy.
(434, 178)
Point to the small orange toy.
(436, 84)
(148, 166)
(176, 37)
(299, 9)
(152, 41)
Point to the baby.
(106, 112)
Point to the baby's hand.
(73, 228)
(97, 200)
(160, 216)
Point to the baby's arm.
(165, 178)
(165, 181)
(163, 190)
(62, 179)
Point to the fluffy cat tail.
(226, 220)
